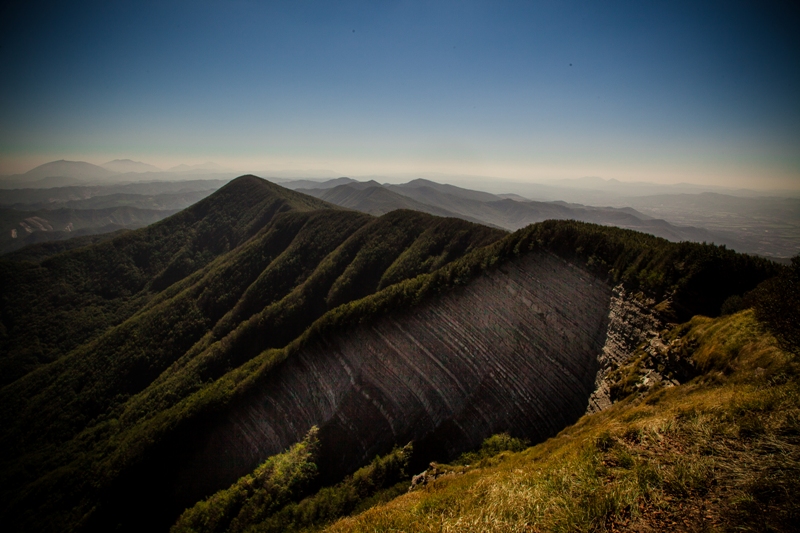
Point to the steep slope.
(101, 406)
(514, 350)
(174, 335)
(50, 308)
(717, 453)
(695, 277)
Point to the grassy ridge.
(719, 453)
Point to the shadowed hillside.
(182, 302)
(393, 378)
(49, 309)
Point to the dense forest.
(116, 353)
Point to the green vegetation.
(719, 453)
(694, 278)
(49, 309)
(494, 445)
(685, 278)
(102, 407)
(114, 353)
(268, 500)
(257, 496)
(777, 301)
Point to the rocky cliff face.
(515, 350)
(631, 322)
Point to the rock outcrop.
(631, 322)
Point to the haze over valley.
(101, 200)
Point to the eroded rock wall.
(515, 350)
(632, 321)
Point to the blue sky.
(651, 91)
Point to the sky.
(667, 92)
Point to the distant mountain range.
(126, 165)
(29, 216)
(69, 169)
(57, 174)
(66, 173)
(477, 206)
(763, 225)
(23, 228)
(747, 222)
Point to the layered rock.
(632, 321)
(515, 350)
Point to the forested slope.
(48, 309)
(185, 301)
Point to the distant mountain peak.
(69, 169)
(250, 187)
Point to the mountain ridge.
(128, 165)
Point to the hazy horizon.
(493, 183)
(663, 93)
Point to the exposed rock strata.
(515, 350)
(631, 322)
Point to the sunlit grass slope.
(719, 453)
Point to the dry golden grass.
(719, 453)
